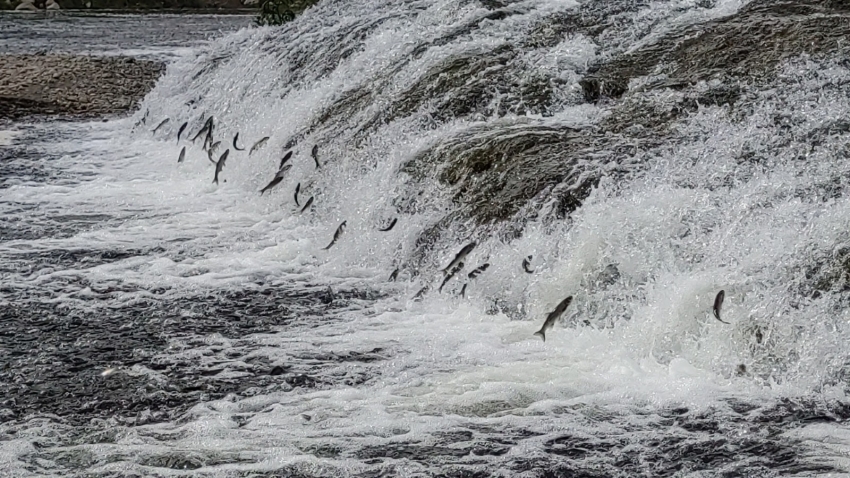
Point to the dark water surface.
(150, 35)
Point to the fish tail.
(542, 334)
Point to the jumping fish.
(419, 295)
(460, 256)
(336, 235)
(180, 131)
(315, 154)
(182, 155)
(259, 144)
(208, 140)
(213, 148)
(526, 265)
(205, 129)
(297, 188)
(277, 178)
(166, 120)
(388, 228)
(307, 204)
(478, 270)
(274, 182)
(220, 165)
(284, 159)
(718, 303)
(237, 148)
(143, 120)
(553, 316)
(393, 276)
(451, 274)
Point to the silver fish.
(180, 131)
(388, 228)
(393, 276)
(220, 165)
(315, 154)
(208, 140)
(237, 148)
(142, 121)
(213, 148)
(182, 155)
(284, 160)
(277, 178)
(307, 204)
(553, 316)
(526, 265)
(451, 274)
(206, 129)
(460, 256)
(336, 235)
(297, 188)
(718, 304)
(166, 120)
(463, 290)
(478, 270)
(259, 144)
(419, 295)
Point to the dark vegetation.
(278, 12)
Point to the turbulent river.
(639, 156)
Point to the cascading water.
(638, 179)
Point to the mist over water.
(255, 352)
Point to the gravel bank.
(70, 85)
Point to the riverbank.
(73, 85)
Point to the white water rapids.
(685, 220)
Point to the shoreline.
(73, 86)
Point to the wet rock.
(748, 44)
(26, 5)
(52, 5)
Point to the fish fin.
(541, 333)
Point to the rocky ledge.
(68, 85)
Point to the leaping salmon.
(478, 270)
(315, 154)
(160, 125)
(718, 304)
(460, 256)
(284, 159)
(277, 178)
(389, 228)
(526, 265)
(307, 204)
(259, 144)
(553, 316)
(237, 148)
(451, 274)
(220, 165)
(180, 131)
(338, 233)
